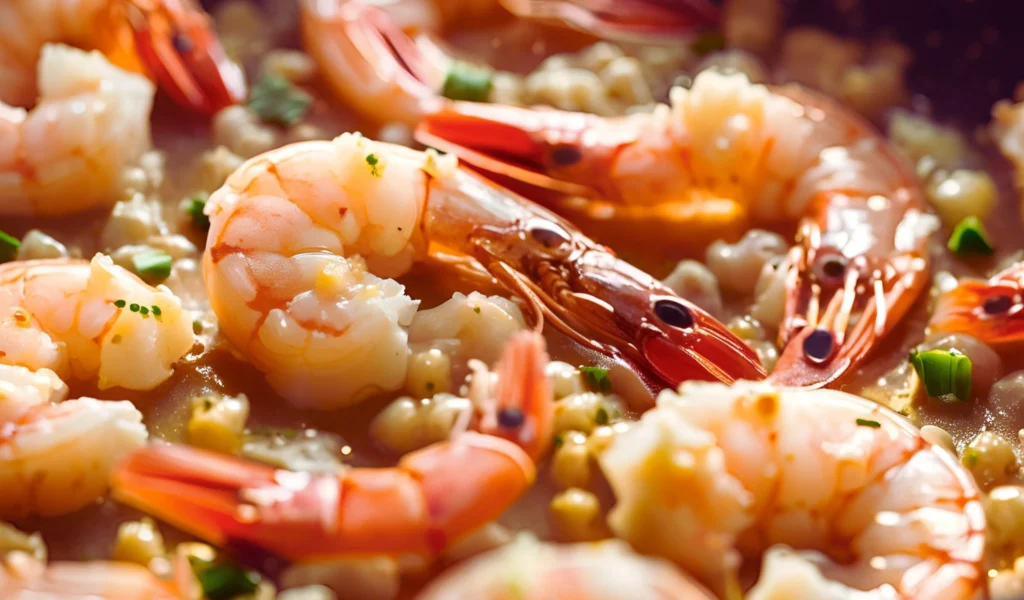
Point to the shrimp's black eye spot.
(672, 312)
(564, 155)
(818, 345)
(997, 305)
(181, 42)
(548, 234)
(831, 268)
(511, 418)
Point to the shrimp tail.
(625, 20)
(178, 48)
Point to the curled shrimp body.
(303, 238)
(25, 578)
(988, 310)
(432, 498)
(66, 155)
(172, 41)
(530, 570)
(728, 154)
(85, 321)
(715, 475)
(56, 455)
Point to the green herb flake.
(120, 303)
(195, 205)
(144, 310)
(707, 43)
(133, 307)
(465, 81)
(476, 309)
(601, 418)
(275, 100)
(152, 266)
(8, 247)
(376, 169)
(597, 378)
(946, 374)
(156, 311)
(868, 423)
(197, 326)
(970, 237)
(970, 457)
(223, 580)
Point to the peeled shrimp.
(85, 321)
(717, 475)
(170, 40)
(24, 578)
(303, 239)
(530, 570)
(67, 154)
(433, 498)
(55, 455)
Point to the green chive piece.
(601, 418)
(8, 247)
(223, 580)
(144, 310)
(868, 423)
(707, 43)
(275, 100)
(156, 310)
(597, 378)
(153, 265)
(970, 237)
(194, 207)
(476, 309)
(120, 303)
(197, 326)
(134, 307)
(465, 81)
(946, 374)
(374, 162)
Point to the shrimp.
(433, 497)
(726, 155)
(303, 237)
(715, 475)
(68, 153)
(531, 570)
(355, 42)
(55, 455)
(25, 578)
(988, 310)
(91, 321)
(170, 40)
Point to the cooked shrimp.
(171, 40)
(55, 457)
(303, 238)
(431, 499)
(90, 321)
(67, 154)
(531, 570)
(24, 578)
(988, 310)
(715, 475)
(355, 41)
(729, 154)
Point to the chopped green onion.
(120, 303)
(597, 378)
(222, 580)
(156, 311)
(275, 100)
(197, 326)
(152, 265)
(133, 307)
(946, 374)
(970, 237)
(476, 309)
(374, 162)
(707, 43)
(8, 247)
(194, 207)
(144, 310)
(465, 81)
(601, 418)
(868, 423)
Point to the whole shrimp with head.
(846, 497)
(990, 310)
(355, 42)
(434, 497)
(726, 155)
(172, 41)
(303, 239)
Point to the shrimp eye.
(564, 155)
(511, 418)
(671, 312)
(182, 43)
(997, 305)
(831, 268)
(548, 234)
(818, 345)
